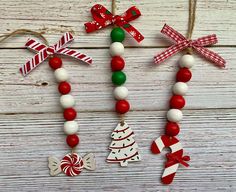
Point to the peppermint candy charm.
(71, 164)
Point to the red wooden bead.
(177, 102)
(72, 140)
(172, 129)
(183, 75)
(122, 106)
(64, 88)
(69, 114)
(55, 62)
(117, 63)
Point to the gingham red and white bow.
(183, 43)
(102, 18)
(44, 52)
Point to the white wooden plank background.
(31, 120)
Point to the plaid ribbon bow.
(182, 43)
(102, 18)
(44, 52)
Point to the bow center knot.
(190, 43)
(178, 159)
(50, 50)
(118, 20)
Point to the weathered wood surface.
(56, 16)
(31, 120)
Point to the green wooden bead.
(117, 34)
(118, 78)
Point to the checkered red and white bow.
(44, 52)
(183, 43)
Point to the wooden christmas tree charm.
(123, 147)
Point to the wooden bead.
(180, 88)
(67, 101)
(172, 129)
(55, 62)
(71, 127)
(64, 88)
(69, 114)
(118, 78)
(183, 75)
(117, 34)
(117, 49)
(117, 63)
(120, 92)
(122, 106)
(177, 102)
(174, 115)
(61, 75)
(187, 61)
(72, 140)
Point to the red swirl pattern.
(72, 164)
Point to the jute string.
(24, 32)
(191, 21)
(113, 10)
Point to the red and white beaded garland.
(180, 88)
(71, 164)
(174, 115)
(123, 147)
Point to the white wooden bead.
(180, 88)
(187, 61)
(120, 92)
(61, 75)
(117, 49)
(71, 127)
(174, 115)
(67, 101)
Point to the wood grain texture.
(55, 17)
(31, 120)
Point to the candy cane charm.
(173, 159)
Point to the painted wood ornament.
(71, 164)
(180, 88)
(123, 147)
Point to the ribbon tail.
(76, 55)
(33, 62)
(159, 58)
(172, 33)
(183, 163)
(35, 45)
(133, 32)
(212, 56)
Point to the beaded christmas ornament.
(123, 147)
(71, 164)
(180, 88)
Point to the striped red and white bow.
(182, 43)
(44, 52)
